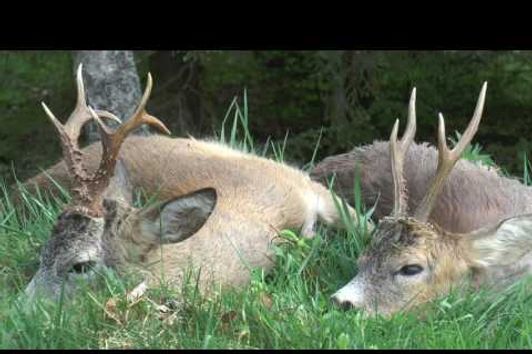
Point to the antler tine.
(139, 117)
(70, 131)
(77, 118)
(447, 158)
(410, 131)
(69, 146)
(398, 150)
(52, 118)
(81, 104)
(112, 141)
(81, 115)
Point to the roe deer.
(411, 260)
(221, 208)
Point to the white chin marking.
(30, 289)
(352, 294)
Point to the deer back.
(473, 195)
(169, 167)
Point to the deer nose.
(350, 296)
(342, 303)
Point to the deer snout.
(341, 304)
(350, 296)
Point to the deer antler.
(88, 190)
(448, 158)
(398, 150)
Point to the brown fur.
(474, 196)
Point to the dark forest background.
(351, 97)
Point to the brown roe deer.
(412, 259)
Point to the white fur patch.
(352, 293)
(312, 203)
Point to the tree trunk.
(111, 83)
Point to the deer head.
(411, 260)
(100, 227)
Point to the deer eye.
(82, 267)
(410, 269)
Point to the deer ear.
(120, 185)
(177, 219)
(503, 244)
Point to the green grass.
(288, 308)
(29, 77)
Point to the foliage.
(27, 79)
(353, 98)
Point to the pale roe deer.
(221, 209)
